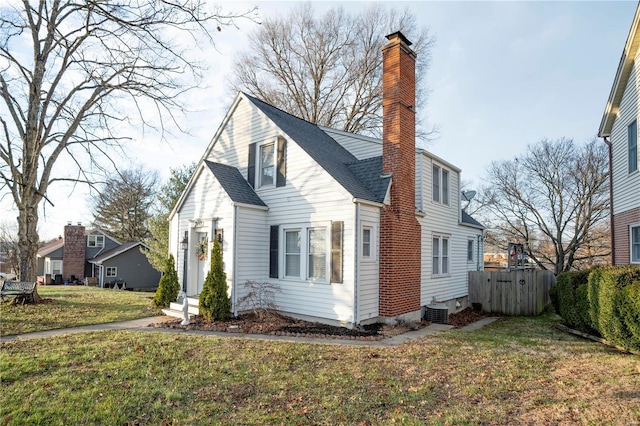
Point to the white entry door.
(203, 259)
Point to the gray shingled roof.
(466, 218)
(234, 184)
(115, 251)
(369, 172)
(328, 153)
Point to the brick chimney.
(73, 253)
(400, 239)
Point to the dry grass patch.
(515, 371)
(74, 306)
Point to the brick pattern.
(399, 230)
(621, 222)
(73, 256)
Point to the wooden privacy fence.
(519, 292)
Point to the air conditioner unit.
(437, 314)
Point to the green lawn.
(73, 306)
(514, 371)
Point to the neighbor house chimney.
(73, 253)
(400, 239)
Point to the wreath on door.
(201, 249)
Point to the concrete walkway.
(144, 324)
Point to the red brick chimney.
(400, 239)
(73, 253)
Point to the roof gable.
(116, 251)
(324, 150)
(622, 77)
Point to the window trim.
(259, 165)
(115, 271)
(95, 240)
(366, 226)
(285, 253)
(632, 167)
(631, 243)
(441, 256)
(440, 185)
(304, 230)
(470, 250)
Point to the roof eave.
(621, 78)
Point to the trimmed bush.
(214, 302)
(612, 305)
(168, 287)
(630, 308)
(571, 294)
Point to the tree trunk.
(28, 243)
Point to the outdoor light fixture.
(185, 241)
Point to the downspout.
(356, 272)
(611, 220)
(234, 281)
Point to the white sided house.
(619, 128)
(353, 230)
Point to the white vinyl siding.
(443, 220)
(369, 268)
(626, 195)
(311, 197)
(360, 146)
(209, 204)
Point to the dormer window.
(95, 241)
(440, 185)
(267, 164)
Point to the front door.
(203, 259)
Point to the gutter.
(611, 219)
(356, 281)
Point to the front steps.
(175, 308)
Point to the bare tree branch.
(554, 199)
(67, 71)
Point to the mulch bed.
(273, 324)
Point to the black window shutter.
(336, 252)
(273, 251)
(251, 166)
(281, 179)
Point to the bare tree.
(328, 69)
(67, 70)
(553, 199)
(124, 205)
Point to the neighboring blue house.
(83, 254)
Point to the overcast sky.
(503, 75)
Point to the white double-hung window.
(267, 164)
(305, 253)
(440, 255)
(440, 185)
